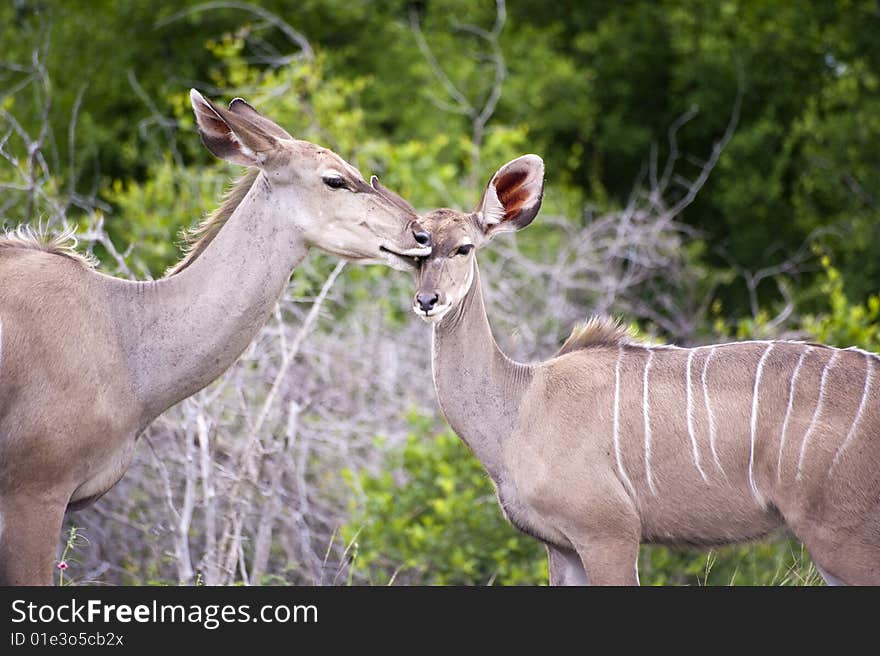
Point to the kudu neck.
(478, 387)
(185, 330)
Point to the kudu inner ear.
(231, 135)
(513, 196)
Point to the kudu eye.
(334, 181)
(464, 249)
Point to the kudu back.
(614, 442)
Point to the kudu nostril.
(427, 301)
(422, 236)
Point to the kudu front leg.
(565, 567)
(610, 560)
(29, 530)
(609, 551)
(606, 536)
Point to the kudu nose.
(427, 301)
(422, 236)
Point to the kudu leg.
(830, 579)
(848, 564)
(566, 567)
(606, 537)
(851, 561)
(29, 530)
(610, 560)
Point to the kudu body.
(87, 361)
(612, 443)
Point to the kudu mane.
(196, 240)
(599, 330)
(62, 243)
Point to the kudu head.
(332, 206)
(510, 202)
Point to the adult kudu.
(87, 361)
(613, 442)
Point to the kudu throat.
(478, 387)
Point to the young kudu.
(87, 361)
(612, 442)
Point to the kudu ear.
(246, 110)
(231, 135)
(512, 197)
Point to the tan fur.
(596, 331)
(612, 443)
(87, 361)
(61, 243)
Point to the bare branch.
(167, 125)
(694, 188)
(465, 107)
(292, 35)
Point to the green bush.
(776, 561)
(430, 517)
(846, 323)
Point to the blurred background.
(713, 173)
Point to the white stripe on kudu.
(1, 342)
(621, 471)
(816, 413)
(794, 377)
(709, 411)
(690, 416)
(866, 391)
(646, 411)
(754, 421)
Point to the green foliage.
(153, 213)
(75, 540)
(770, 562)
(95, 47)
(430, 517)
(847, 323)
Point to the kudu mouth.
(403, 258)
(433, 315)
(408, 258)
(429, 308)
